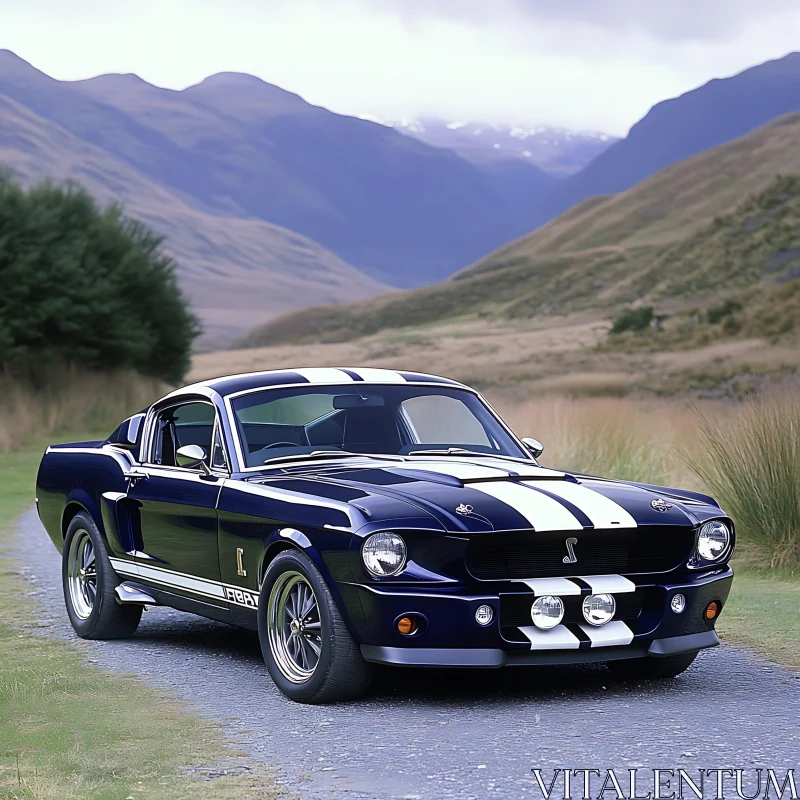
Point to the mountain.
(234, 271)
(718, 221)
(715, 113)
(557, 151)
(234, 146)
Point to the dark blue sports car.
(363, 516)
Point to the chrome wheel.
(82, 574)
(294, 627)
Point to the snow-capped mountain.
(558, 151)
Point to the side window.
(190, 423)
(218, 459)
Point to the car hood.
(475, 495)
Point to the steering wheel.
(281, 444)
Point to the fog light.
(547, 612)
(407, 626)
(484, 615)
(598, 609)
(678, 604)
(712, 610)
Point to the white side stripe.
(372, 375)
(560, 587)
(609, 584)
(602, 511)
(558, 638)
(542, 512)
(324, 375)
(614, 633)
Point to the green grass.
(70, 731)
(763, 613)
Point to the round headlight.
(547, 612)
(713, 540)
(598, 609)
(384, 554)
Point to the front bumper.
(451, 637)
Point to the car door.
(176, 507)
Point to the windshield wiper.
(451, 451)
(315, 454)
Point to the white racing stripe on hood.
(602, 511)
(324, 375)
(457, 469)
(542, 512)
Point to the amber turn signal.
(712, 609)
(407, 626)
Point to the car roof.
(233, 384)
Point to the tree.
(86, 285)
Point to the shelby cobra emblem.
(660, 504)
(315, 506)
(570, 557)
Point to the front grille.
(527, 554)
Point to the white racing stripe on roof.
(601, 510)
(558, 638)
(542, 512)
(324, 375)
(612, 634)
(373, 375)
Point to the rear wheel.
(89, 582)
(306, 646)
(652, 669)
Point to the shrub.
(717, 313)
(753, 468)
(634, 319)
(87, 286)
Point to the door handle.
(136, 475)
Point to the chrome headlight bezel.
(371, 565)
(711, 530)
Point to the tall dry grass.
(752, 465)
(70, 400)
(747, 456)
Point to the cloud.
(661, 19)
(585, 64)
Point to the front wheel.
(306, 646)
(652, 669)
(89, 585)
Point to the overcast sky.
(585, 64)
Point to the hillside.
(235, 146)
(667, 236)
(676, 129)
(234, 271)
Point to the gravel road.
(431, 734)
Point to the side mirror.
(192, 456)
(534, 445)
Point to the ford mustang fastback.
(356, 517)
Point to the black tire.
(100, 616)
(652, 669)
(340, 673)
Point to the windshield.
(390, 420)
